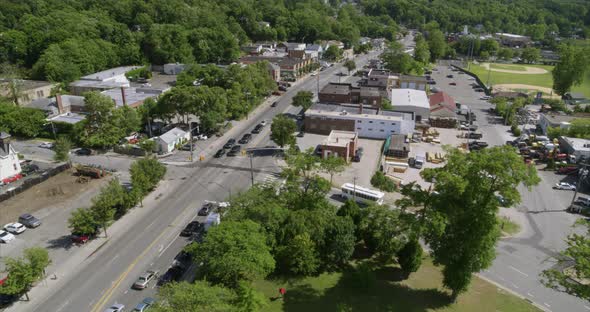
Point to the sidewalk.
(59, 274)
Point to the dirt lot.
(59, 191)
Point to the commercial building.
(132, 97)
(368, 123)
(9, 163)
(386, 80)
(443, 110)
(340, 144)
(344, 93)
(29, 90)
(574, 146)
(398, 145)
(290, 67)
(101, 81)
(411, 101)
(549, 120)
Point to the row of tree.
(20, 121)
(115, 200)
(23, 272)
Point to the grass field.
(508, 226)
(422, 292)
(541, 80)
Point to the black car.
(359, 154)
(245, 139)
(206, 210)
(190, 228)
(300, 134)
(234, 150)
(230, 143)
(84, 152)
(187, 147)
(173, 274)
(282, 88)
(258, 128)
(449, 76)
(479, 90)
(274, 104)
(219, 153)
(473, 135)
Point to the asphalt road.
(151, 241)
(545, 224)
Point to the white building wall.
(9, 165)
(382, 129)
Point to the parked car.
(235, 150)
(83, 151)
(258, 128)
(564, 186)
(46, 145)
(191, 228)
(282, 88)
(219, 153)
(187, 147)
(116, 307)
(205, 210)
(359, 154)
(485, 98)
(475, 146)
(5, 237)
(274, 104)
(567, 170)
(230, 143)
(144, 305)
(201, 137)
(474, 135)
(449, 76)
(300, 134)
(245, 139)
(453, 84)
(14, 228)
(431, 82)
(263, 123)
(29, 220)
(144, 279)
(174, 273)
(80, 239)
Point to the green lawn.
(508, 226)
(542, 80)
(508, 66)
(422, 292)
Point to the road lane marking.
(63, 305)
(126, 292)
(109, 293)
(547, 305)
(517, 270)
(168, 246)
(531, 295)
(514, 285)
(587, 307)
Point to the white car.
(117, 307)
(201, 137)
(263, 123)
(5, 237)
(15, 228)
(564, 186)
(46, 145)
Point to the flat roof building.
(101, 81)
(340, 144)
(412, 101)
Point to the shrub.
(380, 181)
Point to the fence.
(487, 90)
(30, 182)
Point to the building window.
(370, 129)
(359, 128)
(393, 123)
(382, 130)
(359, 121)
(370, 121)
(382, 123)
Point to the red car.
(80, 239)
(453, 83)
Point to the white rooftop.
(340, 138)
(132, 95)
(578, 144)
(109, 73)
(409, 97)
(510, 35)
(71, 118)
(172, 135)
(344, 114)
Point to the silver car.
(144, 279)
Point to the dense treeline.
(62, 40)
(531, 17)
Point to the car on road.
(5, 237)
(258, 128)
(83, 151)
(173, 274)
(116, 307)
(235, 150)
(449, 76)
(190, 229)
(282, 88)
(144, 279)
(230, 143)
(564, 186)
(14, 228)
(245, 138)
(274, 104)
(431, 82)
(300, 134)
(452, 83)
(187, 147)
(205, 210)
(474, 135)
(219, 153)
(144, 305)
(46, 145)
(485, 98)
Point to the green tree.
(282, 130)
(104, 206)
(20, 277)
(464, 232)
(148, 146)
(421, 51)
(437, 44)
(21, 121)
(303, 99)
(379, 180)
(333, 53)
(578, 253)
(101, 126)
(505, 53)
(569, 72)
(146, 173)
(396, 60)
(299, 256)
(198, 296)
(82, 221)
(384, 232)
(333, 165)
(62, 149)
(530, 55)
(350, 65)
(233, 252)
(248, 299)
(410, 257)
(339, 242)
(38, 259)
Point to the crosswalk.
(270, 179)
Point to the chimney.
(60, 106)
(123, 96)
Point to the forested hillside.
(63, 39)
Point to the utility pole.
(251, 168)
(354, 188)
(190, 130)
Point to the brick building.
(340, 144)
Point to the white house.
(9, 163)
(411, 101)
(104, 80)
(168, 141)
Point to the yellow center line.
(109, 293)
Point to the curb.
(512, 292)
